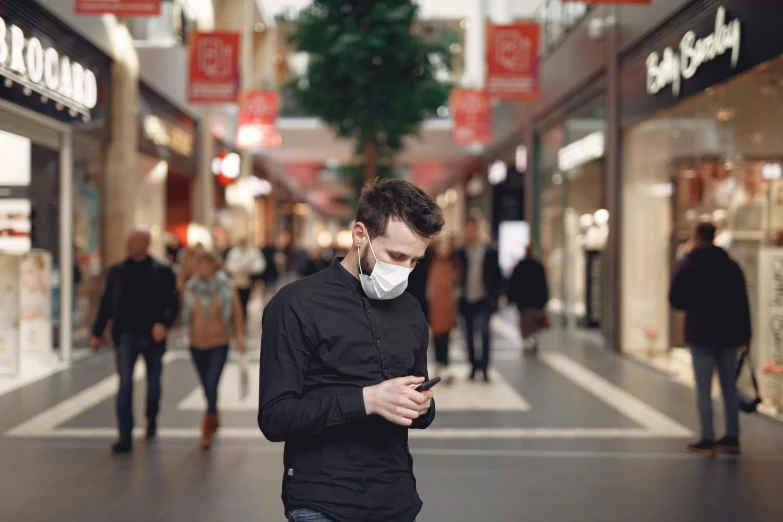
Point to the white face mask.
(387, 281)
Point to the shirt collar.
(344, 276)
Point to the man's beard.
(364, 262)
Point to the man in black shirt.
(141, 300)
(341, 354)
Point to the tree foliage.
(371, 72)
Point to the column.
(204, 190)
(122, 176)
(475, 44)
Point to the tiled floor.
(575, 434)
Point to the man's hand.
(397, 401)
(159, 333)
(95, 344)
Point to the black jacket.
(493, 278)
(528, 286)
(710, 287)
(164, 301)
(323, 340)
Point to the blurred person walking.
(212, 317)
(528, 289)
(243, 263)
(442, 284)
(141, 300)
(481, 285)
(341, 354)
(710, 288)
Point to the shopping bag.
(747, 403)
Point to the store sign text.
(675, 66)
(582, 151)
(163, 134)
(26, 62)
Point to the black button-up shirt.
(323, 340)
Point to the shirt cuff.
(352, 405)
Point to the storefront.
(167, 166)
(572, 224)
(702, 141)
(54, 106)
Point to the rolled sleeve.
(420, 370)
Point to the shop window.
(715, 157)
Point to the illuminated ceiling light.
(772, 171)
(601, 217)
(230, 167)
(497, 173)
(726, 114)
(520, 158)
(332, 163)
(324, 239)
(586, 221)
(475, 187)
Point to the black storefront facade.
(54, 108)
(665, 117)
(700, 140)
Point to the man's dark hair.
(397, 199)
(705, 231)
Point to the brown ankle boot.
(217, 422)
(212, 423)
(206, 432)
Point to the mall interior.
(630, 123)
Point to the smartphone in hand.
(427, 385)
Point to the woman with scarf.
(212, 316)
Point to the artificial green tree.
(371, 72)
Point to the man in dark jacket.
(529, 290)
(481, 285)
(710, 287)
(141, 300)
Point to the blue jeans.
(209, 365)
(307, 515)
(705, 360)
(472, 311)
(128, 349)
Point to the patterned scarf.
(205, 291)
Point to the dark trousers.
(442, 348)
(128, 349)
(244, 299)
(706, 359)
(480, 311)
(209, 365)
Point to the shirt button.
(385, 373)
(377, 341)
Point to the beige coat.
(210, 332)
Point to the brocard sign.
(24, 60)
(676, 65)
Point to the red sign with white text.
(214, 68)
(118, 7)
(512, 62)
(257, 114)
(471, 113)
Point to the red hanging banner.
(512, 62)
(213, 76)
(256, 125)
(471, 114)
(118, 7)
